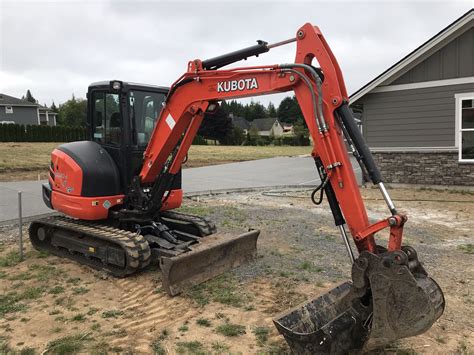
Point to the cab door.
(107, 126)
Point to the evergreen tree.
(271, 110)
(289, 110)
(29, 97)
(217, 126)
(54, 108)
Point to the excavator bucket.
(391, 297)
(213, 256)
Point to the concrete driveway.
(273, 172)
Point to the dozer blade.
(213, 256)
(391, 297)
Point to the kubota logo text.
(234, 85)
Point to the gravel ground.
(301, 256)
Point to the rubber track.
(136, 248)
(204, 225)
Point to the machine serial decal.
(234, 85)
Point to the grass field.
(25, 161)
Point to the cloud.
(57, 48)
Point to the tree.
(29, 97)
(54, 108)
(271, 110)
(217, 126)
(236, 137)
(289, 110)
(301, 132)
(73, 112)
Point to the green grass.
(261, 333)
(80, 317)
(183, 328)
(113, 313)
(80, 290)
(73, 280)
(99, 348)
(67, 345)
(231, 330)
(11, 259)
(467, 248)
(46, 272)
(66, 302)
(157, 347)
(32, 293)
(309, 266)
(156, 344)
(10, 302)
(190, 347)
(222, 289)
(220, 346)
(203, 322)
(92, 311)
(56, 290)
(22, 276)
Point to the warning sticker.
(170, 121)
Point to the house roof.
(397, 68)
(264, 124)
(6, 100)
(240, 122)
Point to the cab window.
(107, 119)
(145, 108)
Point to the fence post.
(20, 222)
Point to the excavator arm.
(391, 295)
(322, 96)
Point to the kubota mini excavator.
(119, 189)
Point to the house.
(288, 129)
(14, 110)
(418, 115)
(268, 127)
(240, 122)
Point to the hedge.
(34, 133)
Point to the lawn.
(27, 161)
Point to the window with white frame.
(465, 117)
(8, 109)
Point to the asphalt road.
(282, 171)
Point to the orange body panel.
(89, 208)
(67, 174)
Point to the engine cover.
(84, 181)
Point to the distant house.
(240, 122)
(418, 115)
(14, 110)
(268, 127)
(288, 129)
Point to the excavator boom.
(391, 295)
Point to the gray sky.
(56, 48)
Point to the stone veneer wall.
(426, 168)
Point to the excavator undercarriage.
(188, 254)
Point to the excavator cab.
(121, 117)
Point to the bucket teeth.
(391, 297)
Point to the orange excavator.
(118, 191)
